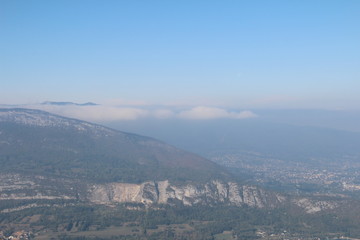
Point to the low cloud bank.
(103, 113)
(213, 112)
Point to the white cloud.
(106, 113)
(202, 112)
(245, 114)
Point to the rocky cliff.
(44, 191)
(163, 192)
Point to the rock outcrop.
(44, 191)
(313, 206)
(162, 192)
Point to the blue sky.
(238, 54)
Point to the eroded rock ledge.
(164, 192)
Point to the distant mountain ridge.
(41, 142)
(39, 118)
(68, 103)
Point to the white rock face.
(30, 188)
(163, 192)
(252, 196)
(312, 206)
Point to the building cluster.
(335, 175)
(19, 235)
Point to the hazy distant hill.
(278, 140)
(68, 103)
(36, 142)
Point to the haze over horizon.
(207, 56)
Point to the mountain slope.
(49, 157)
(37, 142)
(62, 176)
